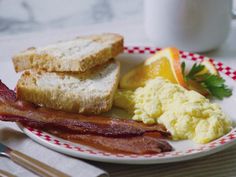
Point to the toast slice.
(90, 92)
(77, 55)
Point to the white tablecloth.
(220, 164)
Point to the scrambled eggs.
(186, 114)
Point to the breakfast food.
(202, 77)
(75, 76)
(66, 85)
(144, 144)
(13, 109)
(113, 135)
(160, 90)
(209, 68)
(76, 55)
(185, 113)
(88, 92)
(165, 63)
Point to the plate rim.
(212, 147)
(120, 159)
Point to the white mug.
(191, 25)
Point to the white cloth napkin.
(12, 136)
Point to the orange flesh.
(165, 63)
(144, 73)
(161, 68)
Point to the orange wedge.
(165, 63)
(209, 68)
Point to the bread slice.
(90, 92)
(77, 55)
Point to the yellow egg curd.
(185, 113)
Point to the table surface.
(134, 35)
(24, 16)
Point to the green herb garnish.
(214, 84)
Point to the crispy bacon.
(113, 135)
(15, 110)
(144, 144)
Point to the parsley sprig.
(214, 84)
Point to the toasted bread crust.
(32, 59)
(67, 101)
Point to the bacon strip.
(144, 144)
(113, 135)
(30, 114)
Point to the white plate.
(183, 150)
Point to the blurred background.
(22, 16)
